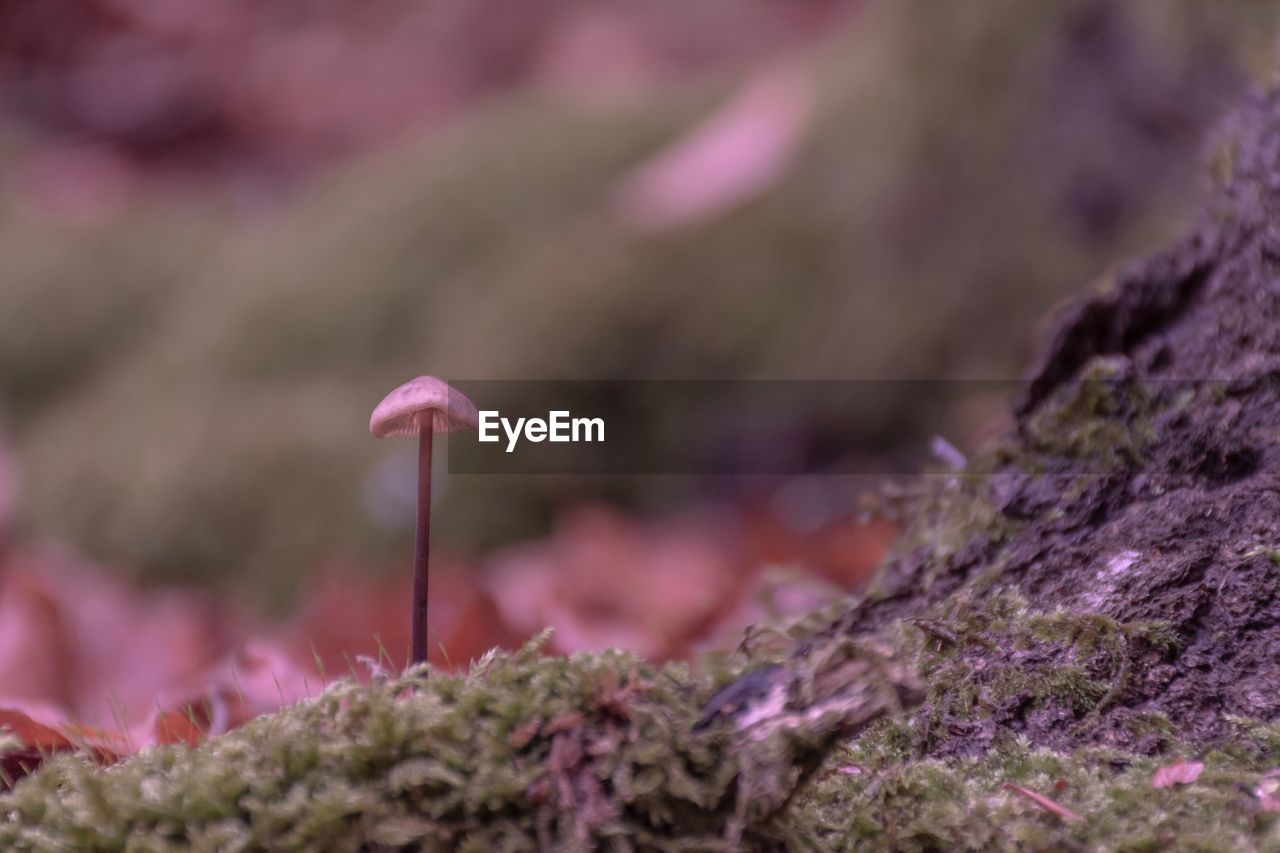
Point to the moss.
(873, 801)
(1092, 426)
(1072, 661)
(954, 512)
(1152, 724)
(605, 751)
(1102, 419)
(524, 751)
(519, 751)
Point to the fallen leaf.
(101, 650)
(346, 616)
(1180, 772)
(734, 155)
(1043, 802)
(605, 579)
(841, 547)
(27, 742)
(256, 679)
(1268, 791)
(175, 727)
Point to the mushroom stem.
(422, 407)
(422, 548)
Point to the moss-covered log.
(1127, 529)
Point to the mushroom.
(422, 407)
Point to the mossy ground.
(523, 752)
(604, 751)
(876, 797)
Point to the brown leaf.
(1180, 772)
(345, 615)
(257, 679)
(1043, 802)
(36, 741)
(605, 579)
(175, 727)
(845, 549)
(101, 650)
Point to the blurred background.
(228, 229)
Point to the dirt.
(1141, 482)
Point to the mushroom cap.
(404, 411)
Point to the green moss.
(866, 802)
(524, 751)
(1073, 660)
(1255, 741)
(1102, 419)
(606, 751)
(954, 512)
(1150, 724)
(1088, 428)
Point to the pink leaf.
(1180, 772)
(738, 152)
(1268, 791)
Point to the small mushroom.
(422, 407)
